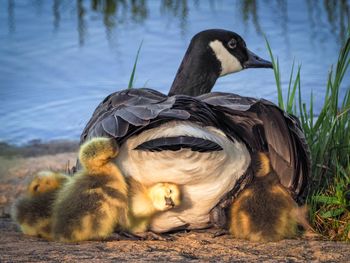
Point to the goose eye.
(232, 43)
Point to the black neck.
(197, 73)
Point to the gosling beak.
(169, 202)
(254, 61)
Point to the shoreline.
(38, 147)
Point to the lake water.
(59, 59)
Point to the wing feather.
(265, 127)
(179, 142)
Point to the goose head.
(211, 54)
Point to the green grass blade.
(290, 80)
(132, 76)
(328, 200)
(292, 94)
(333, 213)
(276, 71)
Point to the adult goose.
(203, 141)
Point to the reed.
(328, 136)
(132, 76)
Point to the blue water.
(59, 59)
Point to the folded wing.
(260, 124)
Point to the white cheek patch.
(229, 63)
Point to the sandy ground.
(194, 246)
(191, 246)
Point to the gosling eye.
(232, 43)
(170, 191)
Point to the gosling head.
(44, 181)
(165, 196)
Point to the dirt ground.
(191, 246)
(194, 246)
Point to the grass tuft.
(328, 136)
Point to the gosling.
(96, 199)
(33, 211)
(146, 202)
(265, 210)
(99, 199)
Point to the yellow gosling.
(95, 201)
(265, 210)
(33, 211)
(145, 202)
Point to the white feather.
(205, 177)
(229, 63)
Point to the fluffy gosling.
(96, 199)
(33, 211)
(145, 202)
(265, 210)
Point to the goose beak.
(254, 61)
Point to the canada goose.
(33, 211)
(264, 210)
(203, 143)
